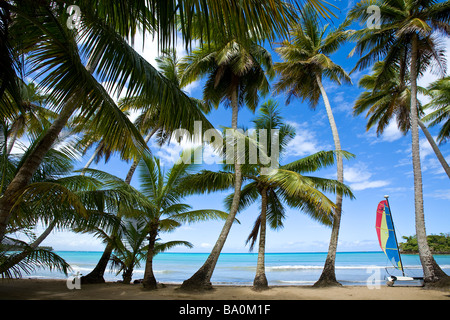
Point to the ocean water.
(352, 268)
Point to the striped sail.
(386, 235)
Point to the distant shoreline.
(254, 253)
(417, 252)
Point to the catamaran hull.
(392, 280)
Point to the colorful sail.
(386, 235)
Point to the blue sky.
(382, 166)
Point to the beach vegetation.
(439, 244)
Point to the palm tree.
(407, 38)
(389, 100)
(165, 191)
(286, 185)
(305, 61)
(236, 74)
(132, 248)
(303, 192)
(439, 92)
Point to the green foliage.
(438, 243)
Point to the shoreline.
(49, 289)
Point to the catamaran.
(388, 242)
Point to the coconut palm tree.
(439, 91)
(132, 248)
(285, 185)
(236, 74)
(165, 190)
(407, 37)
(305, 62)
(302, 192)
(390, 100)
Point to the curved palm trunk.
(435, 148)
(149, 281)
(20, 256)
(431, 271)
(96, 275)
(260, 281)
(328, 276)
(136, 161)
(12, 140)
(31, 164)
(88, 164)
(202, 278)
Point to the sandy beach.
(33, 289)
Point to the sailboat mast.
(396, 242)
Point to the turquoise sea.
(352, 268)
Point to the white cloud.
(358, 178)
(441, 194)
(428, 159)
(304, 143)
(368, 185)
(390, 134)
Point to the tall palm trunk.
(202, 278)
(260, 281)
(149, 281)
(96, 275)
(435, 148)
(431, 271)
(31, 164)
(328, 276)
